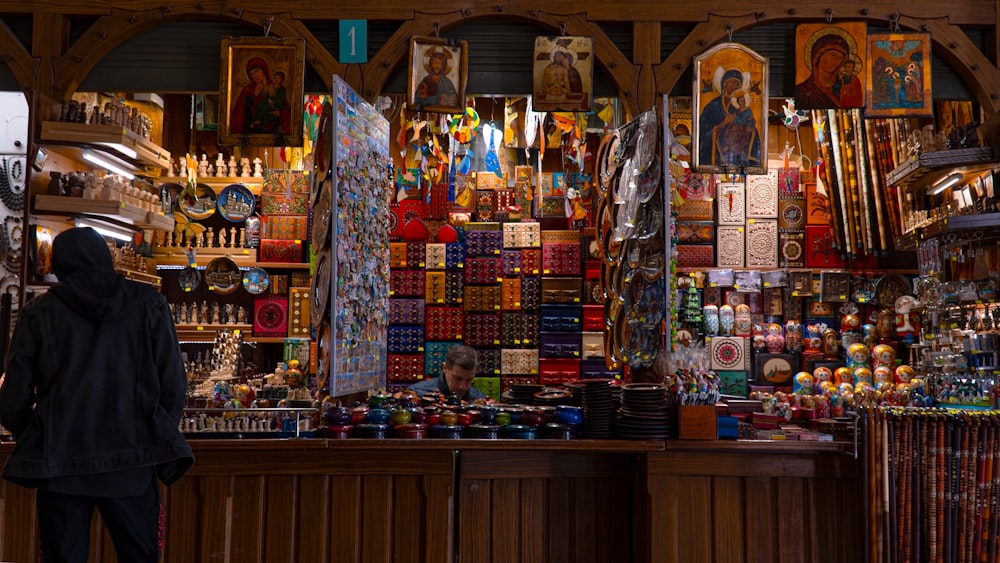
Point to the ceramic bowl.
(411, 431)
(557, 431)
(445, 431)
(337, 416)
(337, 432)
(483, 431)
(378, 416)
(520, 432)
(569, 415)
(376, 431)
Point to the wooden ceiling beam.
(971, 13)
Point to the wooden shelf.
(138, 276)
(932, 166)
(206, 332)
(988, 222)
(218, 183)
(124, 212)
(114, 140)
(175, 256)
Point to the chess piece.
(220, 167)
(258, 168)
(241, 315)
(230, 319)
(209, 237)
(215, 313)
(222, 237)
(203, 313)
(233, 168)
(243, 237)
(244, 167)
(203, 165)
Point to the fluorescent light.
(127, 151)
(107, 229)
(946, 183)
(103, 163)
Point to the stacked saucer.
(599, 406)
(645, 413)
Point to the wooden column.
(646, 53)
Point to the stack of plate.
(524, 393)
(645, 414)
(599, 406)
(553, 396)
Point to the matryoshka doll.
(774, 340)
(727, 320)
(711, 314)
(883, 355)
(907, 318)
(821, 374)
(831, 344)
(744, 324)
(857, 355)
(843, 375)
(850, 330)
(862, 375)
(803, 383)
(904, 374)
(814, 337)
(883, 375)
(868, 335)
(758, 339)
(793, 337)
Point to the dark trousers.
(133, 523)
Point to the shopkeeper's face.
(459, 379)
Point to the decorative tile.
(729, 249)
(791, 247)
(732, 204)
(819, 248)
(729, 353)
(791, 214)
(762, 243)
(788, 182)
(762, 195)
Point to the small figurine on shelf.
(241, 315)
(220, 166)
(203, 313)
(222, 237)
(907, 320)
(203, 165)
(230, 318)
(245, 167)
(209, 237)
(258, 168)
(294, 377)
(233, 168)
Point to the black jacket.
(94, 379)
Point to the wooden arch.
(110, 31)
(949, 41)
(624, 74)
(21, 64)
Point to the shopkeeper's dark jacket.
(94, 382)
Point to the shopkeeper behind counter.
(456, 377)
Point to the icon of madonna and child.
(262, 105)
(729, 133)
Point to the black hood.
(88, 283)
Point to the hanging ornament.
(491, 160)
(793, 117)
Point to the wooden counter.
(484, 501)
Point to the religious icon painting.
(829, 63)
(680, 123)
(437, 74)
(261, 91)
(899, 75)
(730, 103)
(563, 73)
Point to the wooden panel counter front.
(313, 500)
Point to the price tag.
(420, 348)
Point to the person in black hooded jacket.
(93, 393)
